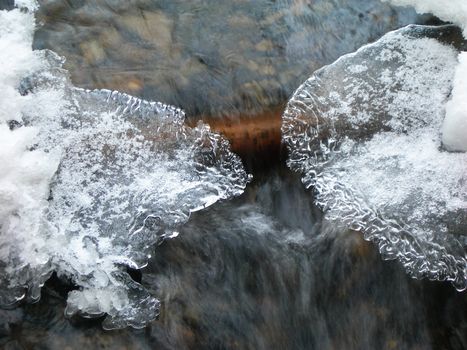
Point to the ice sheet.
(365, 133)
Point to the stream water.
(252, 274)
(266, 267)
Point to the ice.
(455, 124)
(91, 180)
(365, 134)
(452, 11)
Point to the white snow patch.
(455, 124)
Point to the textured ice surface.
(91, 180)
(365, 133)
(455, 124)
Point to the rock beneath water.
(217, 60)
(365, 132)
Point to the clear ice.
(365, 132)
(92, 180)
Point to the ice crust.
(365, 133)
(454, 129)
(91, 180)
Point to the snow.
(25, 174)
(451, 11)
(455, 124)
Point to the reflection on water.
(252, 274)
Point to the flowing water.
(267, 269)
(252, 274)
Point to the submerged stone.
(223, 61)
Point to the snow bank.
(25, 173)
(455, 124)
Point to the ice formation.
(90, 180)
(455, 125)
(365, 134)
(451, 11)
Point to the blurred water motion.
(252, 274)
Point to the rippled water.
(215, 58)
